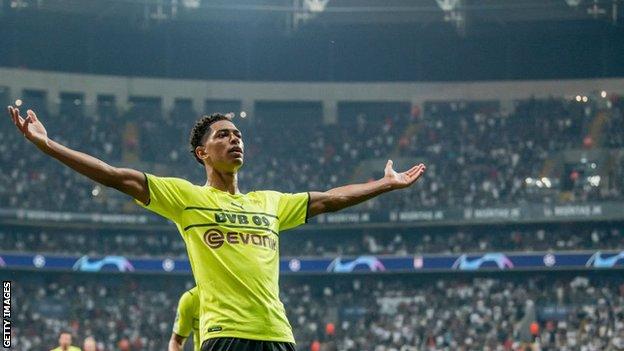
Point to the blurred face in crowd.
(65, 340)
(224, 147)
(89, 344)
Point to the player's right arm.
(176, 343)
(126, 180)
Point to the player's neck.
(224, 181)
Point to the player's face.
(89, 345)
(224, 147)
(65, 340)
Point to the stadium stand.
(366, 313)
(328, 243)
(449, 136)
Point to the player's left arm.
(349, 195)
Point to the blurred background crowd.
(291, 153)
(576, 312)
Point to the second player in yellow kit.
(186, 321)
(65, 343)
(70, 348)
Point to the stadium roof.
(329, 12)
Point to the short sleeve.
(292, 210)
(166, 195)
(183, 324)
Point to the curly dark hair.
(201, 129)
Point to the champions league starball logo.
(499, 261)
(602, 260)
(86, 264)
(370, 263)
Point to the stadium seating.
(463, 169)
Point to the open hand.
(31, 127)
(404, 179)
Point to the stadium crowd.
(449, 137)
(329, 243)
(391, 313)
(481, 154)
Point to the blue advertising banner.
(366, 263)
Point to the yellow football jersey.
(233, 247)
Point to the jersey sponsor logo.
(238, 218)
(237, 205)
(215, 239)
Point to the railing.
(525, 213)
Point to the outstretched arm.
(349, 195)
(128, 181)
